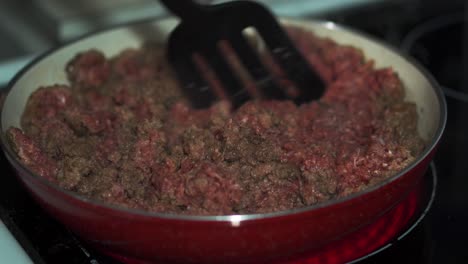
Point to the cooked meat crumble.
(122, 132)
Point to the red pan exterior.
(185, 240)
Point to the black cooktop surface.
(436, 34)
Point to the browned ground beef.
(122, 133)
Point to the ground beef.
(122, 133)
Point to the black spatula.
(200, 31)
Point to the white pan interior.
(50, 69)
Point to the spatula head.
(226, 22)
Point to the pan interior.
(50, 68)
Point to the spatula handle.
(185, 9)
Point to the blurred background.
(29, 27)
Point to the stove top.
(436, 34)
